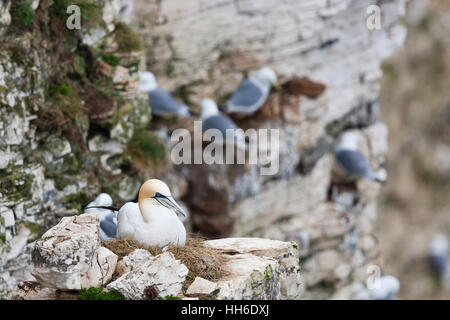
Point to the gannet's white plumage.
(252, 92)
(213, 119)
(153, 220)
(161, 102)
(107, 218)
(351, 161)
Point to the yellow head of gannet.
(154, 192)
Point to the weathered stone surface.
(282, 198)
(285, 253)
(201, 286)
(163, 272)
(250, 277)
(69, 255)
(29, 290)
(132, 261)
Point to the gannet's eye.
(157, 194)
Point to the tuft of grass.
(22, 13)
(201, 261)
(127, 39)
(60, 88)
(145, 145)
(99, 294)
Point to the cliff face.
(68, 110)
(206, 49)
(72, 122)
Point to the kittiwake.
(213, 119)
(107, 218)
(351, 161)
(162, 103)
(252, 93)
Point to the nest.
(200, 260)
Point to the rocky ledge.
(70, 258)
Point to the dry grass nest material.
(200, 260)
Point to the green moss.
(22, 14)
(111, 60)
(15, 184)
(146, 145)
(170, 297)
(91, 15)
(127, 39)
(36, 230)
(99, 294)
(76, 200)
(268, 272)
(60, 88)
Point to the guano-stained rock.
(69, 255)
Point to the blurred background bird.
(107, 218)
(252, 93)
(162, 102)
(213, 119)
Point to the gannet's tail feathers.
(103, 207)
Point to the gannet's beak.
(276, 85)
(168, 202)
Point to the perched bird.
(351, 161)
(388, 287)
(252, 92)
(162, 103)
(153, 220)
(107, 218)
(438, 255)
(213, 119)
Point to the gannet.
(213, 119)
(252, 92)
(153, 220)
(107, 218)
(351, 161)
(162, 103)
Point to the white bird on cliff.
(162, 103)
(351, 161)
(213, 119)
(107, 218)
(252, 92)
(438, 257)
(153, 220)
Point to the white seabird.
(252, 92)
(213, 119)
(162, 103)
(438, 256)
(388, 287)
(107, 218)
(153, 220)
(351, 161)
